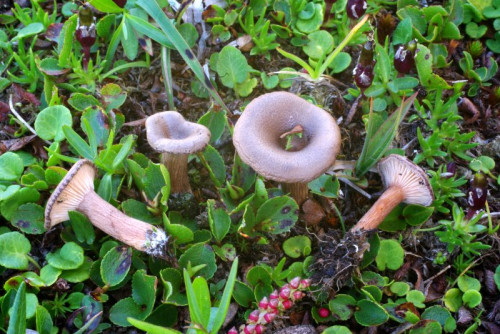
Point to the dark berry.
(120, 3)
(476, 195)
(356, 8)
(404, 60)
(363, 72)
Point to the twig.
(349, 183)
(438, 274)
(11, 106)
(352, 111)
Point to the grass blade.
(152, 8)
(377, 141)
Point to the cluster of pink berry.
(270, 307)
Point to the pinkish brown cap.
(399, 171)
(257, 138)
(70, 192)
(169, 132)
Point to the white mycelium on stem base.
(258, 140)
(76, 193)
(404, 182)
(175, 138)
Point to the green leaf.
(77, 142)
(475, 31)
(11, 166)
(144, 291)
(342, 306)
(17, 321)
(379, 138)
(50, 121)
(243, 294)
(50, 66)
(453, 299)
(80, 274)
(325, 185)
(319, 45)
(200, 254)
(44, 322)
(106, 6)
(24, 195)
(466, 283)
(219, 221)
(14, 249)
(277, 215)
(428, 78)
(220, 316)
(194, 309)
(336, 330)
(400, 288)
(341, 62)
(150, 328)
(403, 32)
(437, 313)
(472, 298)
(115, 265)
(417, 214)
(416, 297)
(202, 295)
(232, 66)
(29, 218)
(298, 246)
(390, 255)
(215, 121)
(70, 256)
(216, 164)
(383, 65)
(123, 310)
(66, 40)
(370, 313)
(30, 30)
(82, 227)
(496, 277)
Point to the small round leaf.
(50, 121)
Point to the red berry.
(287, 304)
(295, 283)
(285, 293)
(259, 329)
(263, 303)
(268, 317)
(324, 312)
(254, 316)
(305, 283)
(297, 295)
(273, 303)
(232, 331)
(274, 295)
(249, 329)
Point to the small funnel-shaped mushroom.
(175, 138)
(405, 182)
(258, 138)
(76, 193)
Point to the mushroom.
(337, 259)
(175, 138)
(76, 193)
(258, 138)
(405, 182)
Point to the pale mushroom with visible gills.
(404, 182)
(258, 139)
(175, 138)
(76, 193)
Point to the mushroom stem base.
(138, 234)
(382, 207)
(177, 168)
(298, 190)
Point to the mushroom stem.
(177, 168)
(297, 190)
(382, 207)
(140, 235)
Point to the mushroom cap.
(70, 192)
(397, 170)
(169, 132)
(257, 138)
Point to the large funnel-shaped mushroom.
(76, 193)
(258, 140)
(404, 182)
(175, 138)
